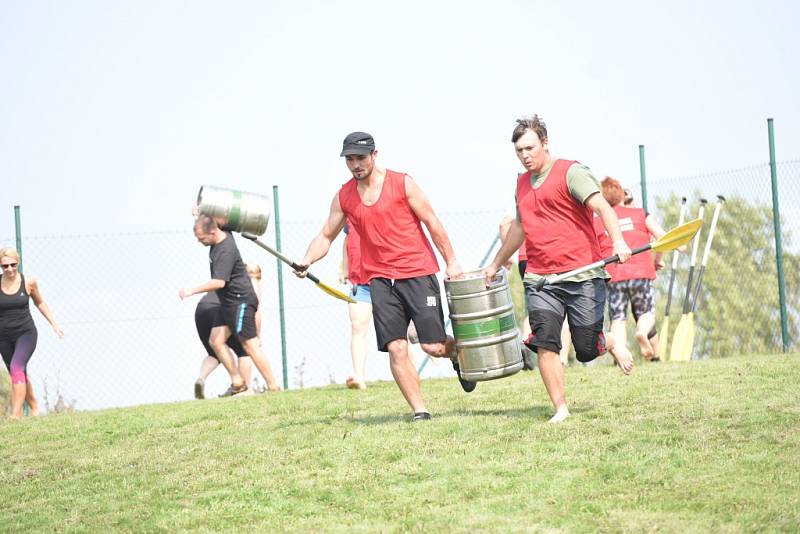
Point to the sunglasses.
(9, 266)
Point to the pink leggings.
(16, 354)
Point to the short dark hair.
(205, 223)
(534, 124)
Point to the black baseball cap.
(358, 143)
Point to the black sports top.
(15, 313)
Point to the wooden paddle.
(320, 284)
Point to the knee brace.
(589, 342)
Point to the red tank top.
(522, 253)
(559, 233)
(393, 244)
(354, 270)
(632, 223)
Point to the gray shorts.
(582, 303)
(639, 293)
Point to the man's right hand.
(302, 268)
(489, 273)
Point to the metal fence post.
(643, 175)
(18, 230)
(281, 310)
(776, 220)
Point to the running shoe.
(234, 390)
(199, 389)
(421, 416)
(467, 385)
(528, 363)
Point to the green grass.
(707, 446)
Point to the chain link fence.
(738, 308)
(130, 340)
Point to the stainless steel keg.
(236, 211)
(484, 326)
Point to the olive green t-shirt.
(581, 184)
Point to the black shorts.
(397, 302)
(204, 317)
(582, 303)
(240, 318)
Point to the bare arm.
(502, 232)
(321, 244)
(422, 208)
(598, 204)
(36, 295)
(656, 231)
(653, 227)
(514, 238)
(211, 285)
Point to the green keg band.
(489, 327)
(236, 210)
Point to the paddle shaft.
(675, 255)
(595, 265)
(707, 251)
(284, 259)
(687, 297)
(672, 239)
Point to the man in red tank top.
(632, 283)
(556, 202)
(386, 209)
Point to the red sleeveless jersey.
(559, 232)
(354, 270)
(393, 244)
(632, 223)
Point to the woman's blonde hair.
(253, 270)
(9, 252)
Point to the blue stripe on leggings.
(240, 321)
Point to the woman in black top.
(17, 332)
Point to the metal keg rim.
(482, 314)
(488, 341)
(490, 291)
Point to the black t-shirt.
(227, 265)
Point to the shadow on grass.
(540, 412)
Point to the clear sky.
(112, 114)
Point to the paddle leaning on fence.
(675, 350)
(663, 339)
(683, 341)
(320, 284)
(678, 236)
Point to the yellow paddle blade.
(663, 338)
(335, 292)
(676, 350)
(688, 338)
(678, 236)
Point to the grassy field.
(704, 447)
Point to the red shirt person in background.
(387, 210)
(631, 282)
